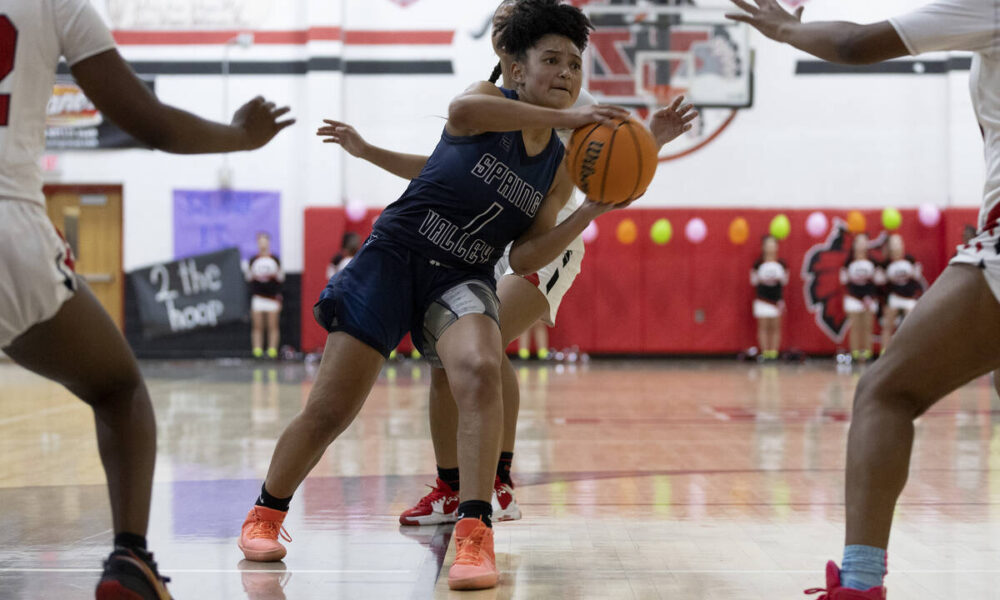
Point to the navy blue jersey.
(475, 195)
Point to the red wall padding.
(677, 298)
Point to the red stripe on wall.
(218, 37)
(400, 37)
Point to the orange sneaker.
(259, 537)
(475, 566)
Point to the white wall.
(817, 140)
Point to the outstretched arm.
(116, 91)
(834, 41)
(483, 107)
(407, 166)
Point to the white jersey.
(577, 198)
(973, 26)
(33, 35)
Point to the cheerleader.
(265, 276)
(860, 304)
(903, 278)
(769, 276)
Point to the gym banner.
(73, 122)
(198, 292)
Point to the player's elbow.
(520, 263)
(461, 113)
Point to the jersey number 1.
(8, 45)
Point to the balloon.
(590, 233)
(856, 222)
(356, 211)
(816, 224)
(739, 231)
(695, 231)
(626, 231)
(891, 219)
(929, 215)
(661, 232)
(780, 227)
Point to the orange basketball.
(612, 163)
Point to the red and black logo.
(824, 294)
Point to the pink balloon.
(929, 215)
(355, 211)
(590, 233)
(816, 224)
(695, 230)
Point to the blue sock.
(863, 567)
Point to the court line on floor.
(36, 414)
(609, 571)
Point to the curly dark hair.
(531, 20)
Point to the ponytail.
(497, 71)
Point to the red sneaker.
(259, 536)
(440, 505)
(505, 506)
(130, 574)
(475, 566)
(835, 592)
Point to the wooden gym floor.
(647, 479)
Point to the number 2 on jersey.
(8, 45)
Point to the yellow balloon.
(856, 222)
(627, 231)
(739, 231)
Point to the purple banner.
(210, 220)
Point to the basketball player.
(523, 301)
(769, 277)
(953, 334)
(860, 297)
(902, 274)
(266, 277)
(50, 322)
(497, 176)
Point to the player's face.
(551, 72)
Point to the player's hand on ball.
(670, 122)
(258, 120)
(595, 113)
(767, 16)
(343, 134)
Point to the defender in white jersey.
(953, 333)
(50, 322)
(523, 300)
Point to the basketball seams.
(581, 146)
(607, 156)
(638, 160)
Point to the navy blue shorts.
(386, 291)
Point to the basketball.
(612, 163)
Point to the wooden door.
(90, 217)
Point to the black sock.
(503, 468)
(130, 541)
(269, 501)
(449, 476)
(476, 509)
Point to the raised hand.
(766, 16)
(343, 134)
(670, 122)
(258, 119)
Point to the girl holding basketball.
(523, 301)
(902, 275)
(860, 298)
(769, 277)
(495, 178)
